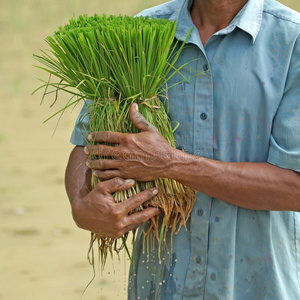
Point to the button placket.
(201, 146)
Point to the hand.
(143, 156)
(98, 212)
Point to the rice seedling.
(115, 61)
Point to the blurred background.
(42, 252)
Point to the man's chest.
(226, 106)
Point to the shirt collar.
(183, 17)
(248, 19)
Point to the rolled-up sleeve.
(81, 129)
(285, 139)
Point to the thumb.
(138, 119)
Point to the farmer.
(240, 129)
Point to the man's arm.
(78, 176)
(95, 209)
(257, 186)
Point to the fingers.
(116, 137)
(138, 120)
(133, 221)
(105, 175)
(138, 199)
(101, 150)
(136, 219)
(105, 137)
(122, 221)
(103, 164)
(113, 185)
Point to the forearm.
(258, 186)
(78, 175)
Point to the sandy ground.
(42, 252)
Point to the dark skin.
(95, 209)
(146, 156)
(210, 16)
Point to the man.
(240, 128)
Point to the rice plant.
(115, 61)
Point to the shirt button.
(205, 67)
(200, 212)
(203, 116)
(197, 259)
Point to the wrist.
(184, 165)
(175, 164)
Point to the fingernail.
(136, 107)
(88, 164)
(86, 151)
(129, 180)
(155, 192)
(90, 137)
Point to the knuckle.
(116, 152)
(116, 214)
(110, 175)
(128, 139)
(109, 210)
(106, 135)
(144, 123)
(119, 227)
(93, 149)
(103, 175)
(149, 194)
(117, 181)
(103, 164)
(142, 218)
(143, 197)
(137, 200)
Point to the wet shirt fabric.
(245, 107)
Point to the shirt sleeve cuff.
(284, 159)
(81, 129)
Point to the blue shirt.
(245, 108)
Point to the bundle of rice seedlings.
(115, 61)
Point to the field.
(43, 253)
